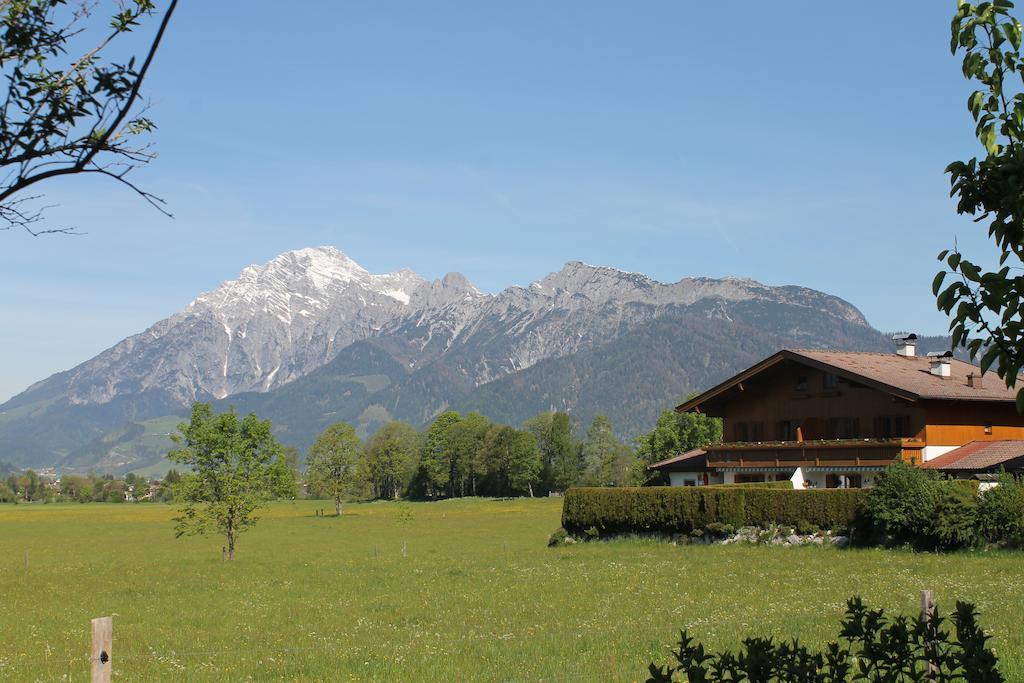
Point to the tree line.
(469, 455)
(455, 456)
(31, 487)
(233, 465)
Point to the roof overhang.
(736, 381)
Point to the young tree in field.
(609, 462)
(987, 306)
(333, 463)
(675, 433)
(466, 444)
(69, 110)
(235, 466)
(513, 460)
(435, 467)
(390, 457)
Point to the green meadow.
(476, 595)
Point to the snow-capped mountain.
(314, 333)
(276, 322)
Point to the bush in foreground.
(871, 647)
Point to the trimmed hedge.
(682, 509)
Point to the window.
(844, 428)
(789, 430)
(689, 482)
(844, 481)
(749, 478)
(801, 383)
(830, 381)
(740, 432)
(748, 431)
(891, 426)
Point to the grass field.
(478, 596)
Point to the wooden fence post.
(927, 612)
(102, 644)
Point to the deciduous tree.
(235, 466)
(435, 454)
(466, 443)
(390, 456)
(674, 433)
(513, 460)
(609, 462)
(333, 463)
(69, 109)
(987, 306)
(561, 452)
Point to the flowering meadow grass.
(477, 595)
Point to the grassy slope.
(479, 596)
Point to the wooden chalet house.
(828, 419)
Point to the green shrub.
(872, 646)
(917, 506)
(558, 537)
(719, 530)
(805, 528)
(1001, 512)
(901, 501)
(680, 510)
(954, 522)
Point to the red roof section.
(980, 455)
(690, 461)
(912, 374)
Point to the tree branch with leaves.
(987, 306)
(67, 111)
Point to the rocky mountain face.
(311, 338)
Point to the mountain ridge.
(375, 347)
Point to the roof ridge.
(860, 353)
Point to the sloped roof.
(907, 377)
(690, 461)
(980, 455)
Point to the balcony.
(814, 453)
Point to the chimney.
(906, 344)
(973, 381)
(940, 363)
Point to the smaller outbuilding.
(689, 469)
(981, 460)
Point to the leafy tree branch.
(66, 115)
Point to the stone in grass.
(841, 541)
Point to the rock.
(841, 541)
(793, 539)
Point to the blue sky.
(798, 144)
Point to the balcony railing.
(815, 453)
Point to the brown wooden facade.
(790, 415)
